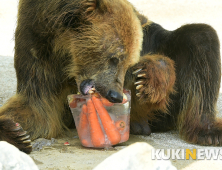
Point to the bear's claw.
(138, 82)
(141, 75)
(139, 87)
(137, 71)
(152, 82)
(138, 94)
(22, 134)
(13, 133)
(143, 84)
(25, 137)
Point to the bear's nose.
(86, 85)
(114, 96)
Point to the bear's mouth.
(86, 86)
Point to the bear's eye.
(114, 61)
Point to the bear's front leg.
(13, 133)
(155, 78)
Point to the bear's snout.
(86, 85)
(111, 95)
(114, 96)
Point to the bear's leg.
(39, 117)
(12, 114)
(154, 82)
(196, 51)
(197, 120)
(155, 78)
(13, 133)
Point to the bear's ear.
(142, 19)
(77, 15)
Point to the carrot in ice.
(125, 136)
(124, 99)
(108, 124)
(125, 91)
(96, 94)
(85, 143)
(106, 102)
(83, 123)
(73, 103)
(120, 125)
(97, 136)
(82, 100)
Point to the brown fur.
(195, 50)
(58, 44)
(158, 84)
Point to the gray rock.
(134, 157)
(13, 159)
(38, 144)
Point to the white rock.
(204, 165)
(134, 157)
(13, 159)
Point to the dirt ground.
(75, 156)
(170, 14)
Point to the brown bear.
(67, 46)
(61, 47)
(190, 106)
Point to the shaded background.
(171, 14)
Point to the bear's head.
(105, 39)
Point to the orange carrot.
(125, 136)
(82, 100)
(85, 143)
(97, 136)
(106, 102)
(96, 94)
(120, 125)
(83, 123)
(109, 126)
(73, 103)
(125, 91)
(124, 99)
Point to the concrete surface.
(170, 14)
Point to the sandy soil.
(170, 14)
(58, 156)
